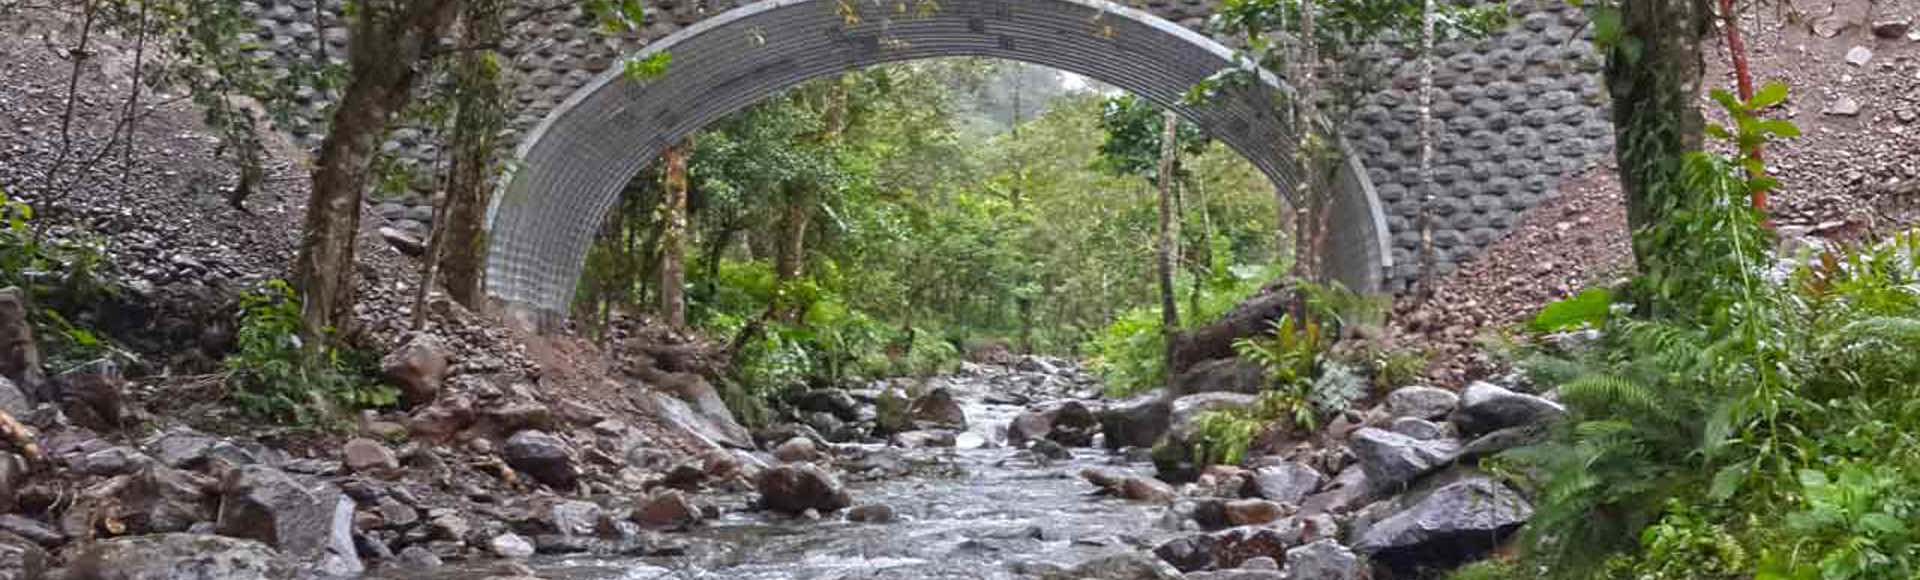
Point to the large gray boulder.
(1136, 422)
(1458, 522)
(1071, 424)
(1421, 402)
(1121, 566)
(543, 456)
(690, 403)
(1391, 460)
(310, 522)
(1289, 482)
(938, 410)
(156, 499)
(1324, 560)
(794, 489)
(1485, 408)
(178, 557)
(1224, 375)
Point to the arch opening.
(569, 171)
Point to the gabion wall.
(1514, 113)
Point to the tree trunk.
(1425, 282)
(673, 272)
(1656, 115)
(481, 97)
(1306, 229)
(1169, 234)
(388, 38)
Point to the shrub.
(274, 376)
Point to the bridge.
(1515, 113)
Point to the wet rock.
(1188, 409)
(574, 517)
(872, 514)
(183, 448)
(1051, 450)
(1029, 426)
(1421, 402)
(21, 559)
(1225, 375)
(836, 402)
(691, 404)
(1486, 408)
(442, 419)
(1324, 560)
(307, 522)
(418, 368)
(544, 457)
(1349, 490)
(401, 240)
(796, 450)
(969, 440)
(1288, 482)
(1238, 574)
(1892, 29)
(1456, 523)
(14, 400)
(1033, 364)
(793, 489)
(669, 508)
(1137, 422)
(511, 546)
(1227, 548)
(938, 409)
(369, 456)
(395, 514)
(1502, 440)
(94, 395)
(179, 557)
(1253, 512)
(1392, 460)
(1417, 428)
(156, 499)
(1131, 487)
(418, 557)
(1121, 566)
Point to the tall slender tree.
(673, 269)
(480, 102)
(1169, 232)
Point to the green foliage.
(1290, 355)
(1135, 129)
(272, 376)
(1856, 525)
(1130, 355)
(1223, 437)
(1393, 368)
(1589, 309)
(62, 279)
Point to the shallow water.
(982, 513)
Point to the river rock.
(1137, 422)
(873, 513)
(13, 399)
(1188, 409)
(1392, 460)
(1226, 548)
(109, 462)
(1324, 560)
(1131, 487)
(511, 546)
(1048, 449)
(796, 450)
(543, 456)
(1509, 438)
(938, 409)
(1418, 428)
(1486, 408)
(574, 517)
(418, 557)
(690, 403)
(33, 530)
(668, 508)
(1253, 512)
(1421, 402)
(418, 368)
(93, 395)
(1348, 490)
(793, 489)
(19, 354)
(304, 521)
(1288, 482)
(925, 438)
(1456, 523)
(1071, 424)
(179, 557)
(21, 559)
(368, 456)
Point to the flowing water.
(989, 512)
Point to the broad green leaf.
(1779, 128)
(1772, 94)
(1727, 482)
(1589, 308)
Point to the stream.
(985, 512)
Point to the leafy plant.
(1588, 309)
(274, 376)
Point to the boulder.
(1188, 409)
(873, 513)
(1227, 548)
(1224, 375)
(1048, 449)
(668, 508)
(179, 557)
(33, 530)
(925, 438)
(418, 368)
(574, 517)
(544, 457)
(21, 559)
(1128, 486)
(1486, 408)
(1071, 424)
(689, 403)
(109, 462)
(1253, 512)
(1502, 440)
(1288, 482)
(793, 489)
(1392, 460)
(1457, 522)
(442, 419)
(1136, 422)
(511, 546)
(938, 409)
(364, 455)
(1421, 402)
(305, 521)
(1324, 560)
(13, 399)
(157, 499)
(1418, 428)
(1349, 490)
(796, 450)
(833, 401)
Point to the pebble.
(1859, 56)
